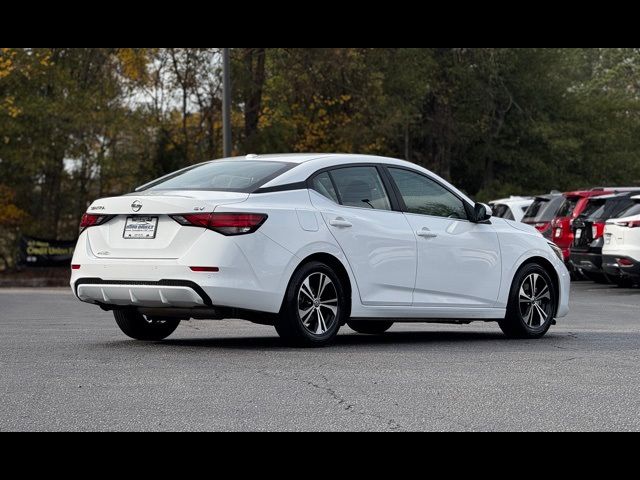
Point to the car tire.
(370, 327)
(135, 325)
(314, 307)
(532, 304)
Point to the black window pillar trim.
(397, 202)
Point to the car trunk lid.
(141, 226)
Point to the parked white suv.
(512, 208)
(621, 250)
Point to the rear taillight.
(224, 223)
(625, 262)
(597, 230)
(90, 220)
(542, 226)
(633, 224)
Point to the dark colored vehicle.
(572, 207)
(542, 211)
(588, 231)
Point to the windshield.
(219, 175)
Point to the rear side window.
(324, 186)
(223, 175)
(424, 196)
(360, 187)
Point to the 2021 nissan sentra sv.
(308, 243)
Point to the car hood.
(523, 227)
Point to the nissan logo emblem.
(136, 206)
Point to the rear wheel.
(314, 308)
(532, 304)
(137, 326)
(370, 327)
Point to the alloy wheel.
(318, 303)
(535, 300)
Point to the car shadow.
(344, 340)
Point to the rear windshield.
(593, 207)
(542, 210)
(567, 208)
(501, 210)
(609, 208)
(629, 211)
(223, 175)
(622, 207)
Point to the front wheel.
(314, 308)
(532, 304)
(135, 325)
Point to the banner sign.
(36, 252)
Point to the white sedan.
(308, 243)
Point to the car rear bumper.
(251, 272)
(611, 266)
(161, 294)
(587, 261)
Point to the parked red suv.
(574, 204)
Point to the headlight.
(557, 250)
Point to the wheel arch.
(551, 271)
(337, 266)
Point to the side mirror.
(482, 212)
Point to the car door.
(377, 241)
(459, 261)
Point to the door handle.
(340, 222)
(426, 233)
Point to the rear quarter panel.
(296, 226)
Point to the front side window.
(223, 175)
(360, 187)
(424, 196)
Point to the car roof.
(283, 157)
(588, 193)
(512, 199)
(612, 196)
(310, 163)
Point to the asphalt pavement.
(65, 365)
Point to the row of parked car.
(598, 230)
